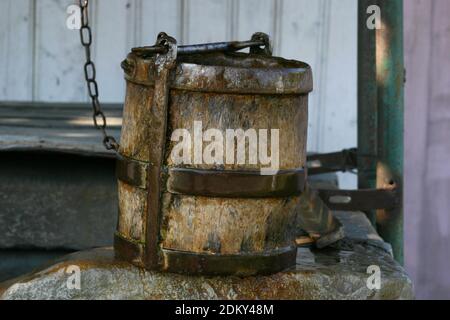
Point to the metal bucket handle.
(258, 44)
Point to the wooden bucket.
(200, 217)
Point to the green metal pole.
(390, 80)
(380, 112)
(367, 103)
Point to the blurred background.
(41, 62)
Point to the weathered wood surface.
(55, 127)
(288, 114)
(132, 211)
(228, 226)
(137, 123)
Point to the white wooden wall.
(41, 60)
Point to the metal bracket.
(265, 39)
(167, 59)
(360, 200)
(164, 62)
(344, 160)
(350, 200)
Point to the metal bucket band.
(128, 249)
(267, 262)
(216, 183)
(235, 184)
(132, 172)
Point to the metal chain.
(98, 116)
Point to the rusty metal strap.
(344, 160)
(128, 249)
(216, 183)
(132, 172)
(220, 265)
(360, 200)
(235, 184)
(164, 64)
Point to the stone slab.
(337, 272)
(319, 274)
(52, 201)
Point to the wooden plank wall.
(41, 60)
(427, 146)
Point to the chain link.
(98, 116)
